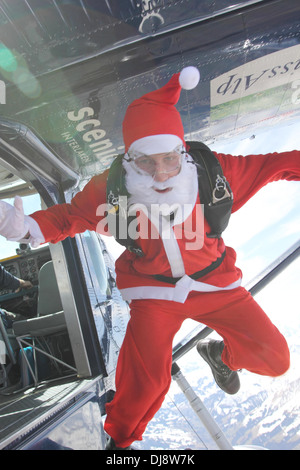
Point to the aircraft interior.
(38, 309)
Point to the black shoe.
(112, 446)
(227, 379)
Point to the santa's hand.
(13, 223)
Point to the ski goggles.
(153, 165)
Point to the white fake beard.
(184, 186)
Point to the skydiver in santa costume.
(176, 277)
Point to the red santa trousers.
(143, 373)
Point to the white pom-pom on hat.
(189, 78)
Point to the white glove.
(12, 221)
(14, 225)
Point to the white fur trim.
(178, 293)
(154, 144)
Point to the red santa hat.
(152, 124)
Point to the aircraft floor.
(22, 409)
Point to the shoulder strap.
(214, 190)
(117, 215)
(116, 182)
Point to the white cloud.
(270, 220)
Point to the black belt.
(195, 276)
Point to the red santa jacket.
(246, 175)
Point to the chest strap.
(195, 276)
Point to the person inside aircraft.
(8, 281)
(177, 266)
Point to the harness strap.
(195, 276)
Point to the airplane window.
(100, 275)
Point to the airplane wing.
(69, 70)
